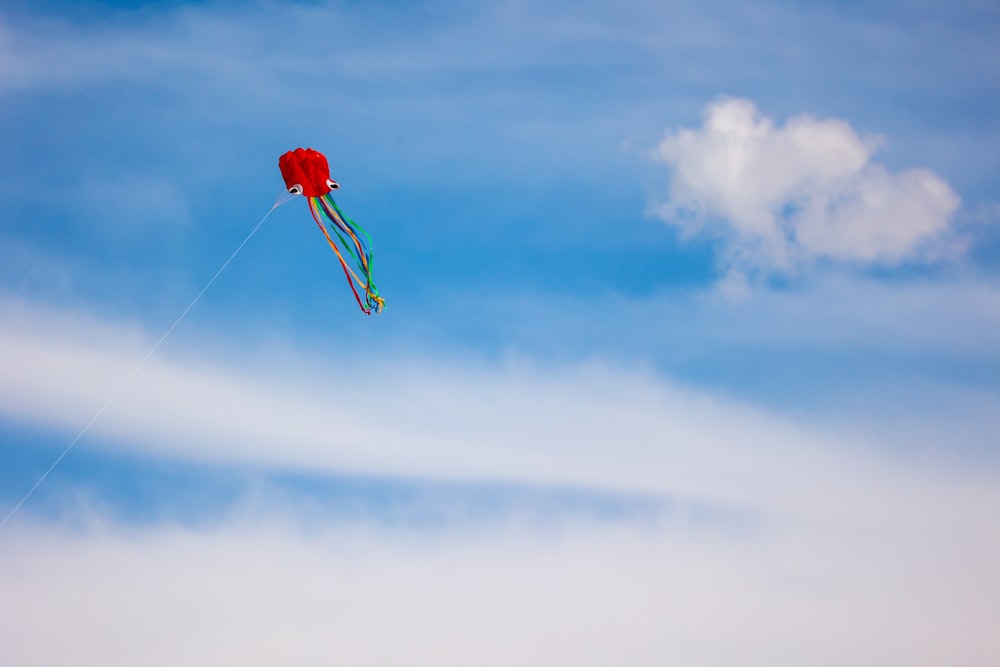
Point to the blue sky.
(689, 353)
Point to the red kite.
(307, 173)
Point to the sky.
(689, 353)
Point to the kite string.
(139, 366)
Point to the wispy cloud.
(586, 424)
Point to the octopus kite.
(307, 173)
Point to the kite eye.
(333, 185)
(295, 189)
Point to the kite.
(307, 173)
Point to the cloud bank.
(260, 592)
(781, 197)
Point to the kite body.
(307, 173)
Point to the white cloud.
(850, 556)
(781, 197)
(260, 592)
(592, 424)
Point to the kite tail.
(356, 242)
